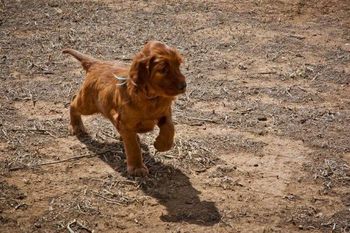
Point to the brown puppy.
(134, 98)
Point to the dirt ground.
(263, 132)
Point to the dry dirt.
(263, 132)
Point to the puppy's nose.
(181, 86)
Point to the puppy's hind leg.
(76, 126)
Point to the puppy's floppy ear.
(138, 70)
(152, 60)
(141, 68)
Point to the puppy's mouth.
(180, 88)
(175, 92)
(181, 91)
(174, 89)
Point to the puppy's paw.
(162, 146)
(77, 130)
(138, 171)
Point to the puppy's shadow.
(169, 185)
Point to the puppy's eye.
(165, 69)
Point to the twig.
(20, 205)
(33, 130)
(276, 56)
(108, 200)
(79, 224)
(315, 77)
(4, 132)
(169, 156)
(268, 72)
(298, 37)
(53, 162)
(202, 119)
(287, 91)
(44, 72)
(69, 224)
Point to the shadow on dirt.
(169, 185)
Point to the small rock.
(22, 196)
(242, 67)
(58, 10)
(53, 4)
(346, 47)
(262, 118)
(320, 214)
(262, 132)
(25, 181)
(189, 202)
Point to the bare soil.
(263, 132)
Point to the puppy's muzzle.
(181, 86)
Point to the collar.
(123, 80)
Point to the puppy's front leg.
(165, 139)
(135, 165)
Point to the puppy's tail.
(85, 60)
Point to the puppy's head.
(156, 70)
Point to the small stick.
(298, 37)
(53, 162)
(314, 78)
(4, 131)
(79, 224)
(287, 91)
(108, 200)
(202, 119)
(33, 130)
(276, 56)
(69, 224)
(20, 205)
(268, 72)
